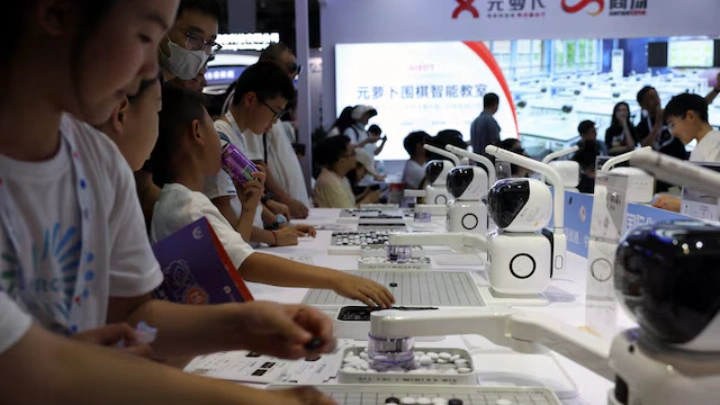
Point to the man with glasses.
(191, 40)
(262, 93)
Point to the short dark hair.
(641, 94)
(585, 126)
(449, 137)
(180, 108)
(273, 52)
(509, 145)
(413, 140)
(207, 7)
(682, 103)
(267, 80)
(332, 149)
(374, 129)
(491, 100)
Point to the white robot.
(672, 358)
(436, 193)
(641, 185)
(523, 255)
(467, 212)
(569, 170)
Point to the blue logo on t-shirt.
(52, 285)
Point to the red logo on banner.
(583, 5)
(463, 6)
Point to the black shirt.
(665, 143)
(615, 136)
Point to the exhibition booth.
(518, 291)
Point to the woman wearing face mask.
(74, 252)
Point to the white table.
(592, 388)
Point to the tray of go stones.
(432, 366)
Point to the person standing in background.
(485, 130)
(653, 130)
(414, 172)
(620, 136)
(374, 132)
(360, 138)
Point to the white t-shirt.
(221, 185)
(284, 164)
(358, 134)
(117, 260)
(14, 323)
(413, 174)
(178, 207)
(707, 150)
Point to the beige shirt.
(332, 192)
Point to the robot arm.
(441, 152)
(456, 241)
(531, 333)
(612, 162)
(678, 172)
(476, 158)
(556, 155)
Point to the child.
(414, 172)
(338, 158)
(188, 150)
(133, 125)
(687, 118)
(261, 95)
(375, 134)
(74, 252)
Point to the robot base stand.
(494, 299)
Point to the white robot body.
(467, 216)
(641, 185)
(645, 376)
(569, 171)
(436, 172)
(519, 255)
(466, 212)
(520, 263)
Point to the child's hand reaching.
(363, 289)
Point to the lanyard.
(238, 133)
(17, 233)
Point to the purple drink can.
(237, 165)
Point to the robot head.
(666, 276)
(467, 183)
(569, 172)
(520, 205)
(436, 171)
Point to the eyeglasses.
(294, 68)
(197, 43)
(276, 114)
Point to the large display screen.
(698, 53)
(422, 86)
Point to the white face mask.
(183, 63)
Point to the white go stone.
(364, 356)
(420, 354)
(425, 361)
(455, 357)
(441, 361)
(408, 401)
(439, 401)
(371, 371)
(461, 362)
(363, 365)
(349, 369)
(463, 370)
(434, 356)
(424, 401)
(450, 371)
(445, 356)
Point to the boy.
(414, 172)
(687, 118)
(261, 95)
(375, 133)
(191, 40)
(188, 150)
